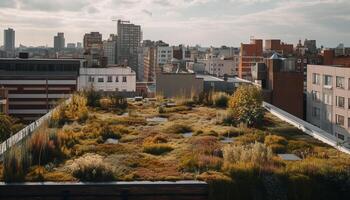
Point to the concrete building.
(3, 101)
(9, 41)
(310, 45)
(282, 84)
(164, 54)
(250, 54)
(111, 79)
(92, 39)
(129, 39)
(110, 49)
(79, 45)
(35, 85)
(71, 45)
(172, 85)
(150, 64)
(59, 42)
(277, 46)
(220, 66)
(328, 100)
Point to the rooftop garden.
(227, 141)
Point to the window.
(116, 79)
(327, 99)
(109, 79)
(91, 79)
(339, 120)
(327, 80)
(340, 83)
(316, 96)
(101, 80)
(124, 79)
(316, 112)
(315, 79)
(341, 136)
(340, 102)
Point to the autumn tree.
(246, 105)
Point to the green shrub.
(220, 99)
(91, 167)
(157, 149)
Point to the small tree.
(246, 105)
(5, 127)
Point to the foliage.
(93, 97)
(105, 103)
(278, 144)
(108, 132)
(91, 167)
(220, 99)
(246, 105)
(8, 126)
(257, 154)
(15, 165)
(179, 128)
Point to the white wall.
(90, 77)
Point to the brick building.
(280, 47)
(250, 54)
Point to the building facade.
(3, 101)
(129, 39)
(220, 66)
(91, 39)
(111, 79)
(110, 49)
(9, 41)
(250, 55)
(36, 85)
(276, 45)
(328, 100)
(59, 42)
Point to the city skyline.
(203, 22)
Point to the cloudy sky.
(204, 22)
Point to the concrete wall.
(178, 85)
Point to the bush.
(119, 102)
(93, 97)
(157, 149)
(8, 127)
(207, 145)
(220, 99)
(250, 138)
(257, 154)
(91, 167)
(107, 132)
(16, 163)
(179, 128)
(278, 144)
(246, 105)
(201, 163)
(105, 103)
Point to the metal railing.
(28, 130)
(307, 128)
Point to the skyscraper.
(109, 49)
(9, 40)
(129, 39)
(59, 42)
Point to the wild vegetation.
(188, 142)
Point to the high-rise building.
(250, 55)
(328, 100)
(129, 39)
(59, 42)
(110, 49)
(71, 45)
(310, 45)
(9, 40)
(91, 39)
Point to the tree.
(5, 127)
(246, 105)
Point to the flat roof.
(208, 77)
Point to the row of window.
(327, 99)
(109, 79)
(328, 80)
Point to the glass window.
(316, 112)
(91, 79)
(316, 96)
(124, 79)
(101, 80)
(341, 136)
(339, 120)
(109, 79)
(327, 80)
(340, 83)
(340, 102)
(327, 99)
(116, 79)
(315, 78)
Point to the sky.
(190, 22)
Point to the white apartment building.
(164, 55)
(220, 67)
(108, 79)
(328, 100)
